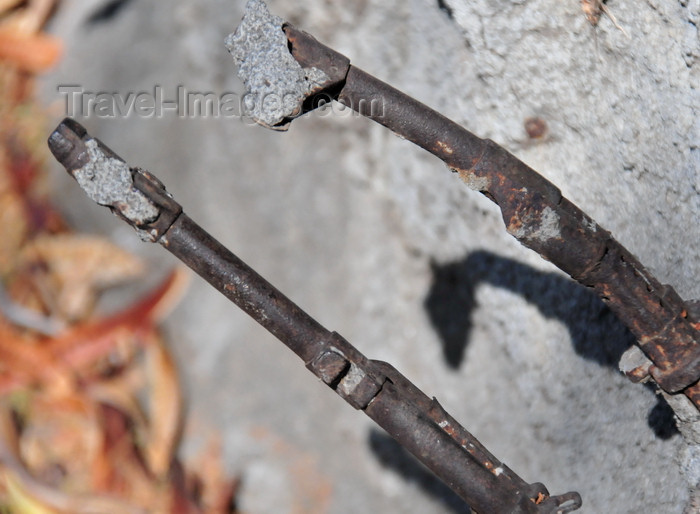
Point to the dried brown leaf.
(165, 408)
(29, 364)
(6, 5)
(61, 437)
(29, 52)
(216, 490)
(13, 230)
(49, 497)
(78, 268)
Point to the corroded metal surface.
(419, 423)
(536, 213)
(310, 54)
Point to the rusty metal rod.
(416, 421)
(534, 212)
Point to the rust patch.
(693, 393)
(536, 128)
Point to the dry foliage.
(90, 405)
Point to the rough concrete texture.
(276, 85)
(108, 181)
(380, 242)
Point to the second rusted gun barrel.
(417, 422)
(534, 212)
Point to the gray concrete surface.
(380, 242)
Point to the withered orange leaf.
(29, 52)
(86, 342)
(165, 408)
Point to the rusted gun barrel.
(416, 421)
(533, 209)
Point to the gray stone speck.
(548, 227)
(276, 83)
(632, 359)
(107, 181)
(473, 181)
(351, 380)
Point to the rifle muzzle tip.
(67, 144)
